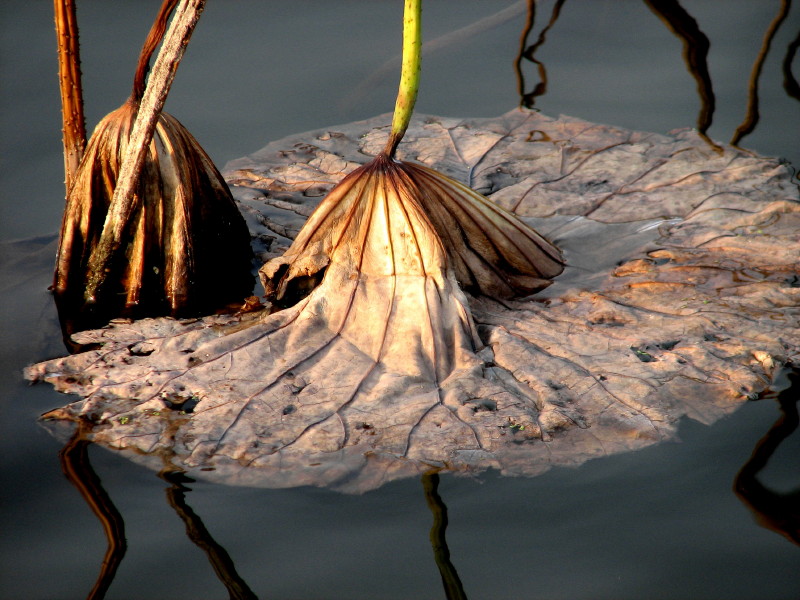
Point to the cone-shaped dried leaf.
(679, 299)
(387, 319)
(490, 250)
(186, 249)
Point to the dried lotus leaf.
(186, 247)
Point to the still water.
(659, 523)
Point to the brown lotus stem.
(154, 38)
(772, 510)
(789, 81)
(528, 99)
(69, 78)
(695, 55)
(180, 31)
(523, 45)
(453, 588)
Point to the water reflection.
(528, 99)
(789, 81)
(196, 531)
(452, 583)
(78, 470)
(778, 512)
(696, 46)
(752, 116)
(695, 54)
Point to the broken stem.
(69, 78)
(409, 74)
(155, 95)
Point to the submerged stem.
(409, 74)
(453, 588)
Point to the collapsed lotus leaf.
(186, 246)
(680, 298)
(489, 250)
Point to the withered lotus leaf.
(489, 250)
(187, 247)
(679, 299)
(179, 246)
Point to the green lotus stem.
(409, 74)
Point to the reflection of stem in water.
(220, 560)
(695, 53)
(452, 584)
(789, 82)
(523, 43)
(528, 52)
(77, 468)
(751, 119)
(777, 512)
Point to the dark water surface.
(659, 523)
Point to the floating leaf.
(382, 372)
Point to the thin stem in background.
(530, 21)
(529, 52)
(69, 78)
(789, 81)
(695, 54)
(154, 37)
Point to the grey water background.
(659, 523)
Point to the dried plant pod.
(490, 251)
(187, 247)
(180, 245)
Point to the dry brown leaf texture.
(680, 298)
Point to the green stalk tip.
(409, 74)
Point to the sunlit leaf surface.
(679, 299)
